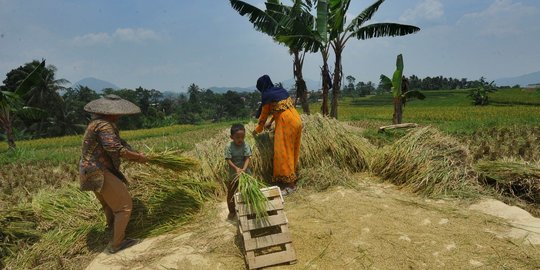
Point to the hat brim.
(112, 107)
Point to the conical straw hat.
(112, 105)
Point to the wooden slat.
(267, 241)
(271, 193)
(274, 204)
(287, 255)
(251, 224)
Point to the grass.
(450, 110)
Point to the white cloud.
(121, 34)
(430, 10)
(502, 18)
(93, 39)
(137, 35)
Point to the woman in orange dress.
(287, 134)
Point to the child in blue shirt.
(237, 154)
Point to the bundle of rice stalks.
(427, 162)
(250, 191)
(512, 177)
(323, 140)
(163, 201)
(171, 159)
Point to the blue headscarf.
(270, 93)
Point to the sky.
(167, 45)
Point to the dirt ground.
(375, 226)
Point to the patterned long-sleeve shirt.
(102, 148)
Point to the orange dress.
(287, 137)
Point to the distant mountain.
(95, 84)
(523, 80)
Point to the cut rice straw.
(250, 191)
(171, 159)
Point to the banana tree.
(340, 34)
(400, 90)
(11, 103)
(278, 20)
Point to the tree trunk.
(301, 88)
(338, 74)
(5, 122)
(398, 111)
(325, 75)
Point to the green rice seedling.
(427, 162)
(512, 177)
(171, 159)
(250, 191)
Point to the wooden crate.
(266, 242)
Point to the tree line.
(35, 104)
(352, 88)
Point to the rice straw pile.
(326, 176)
(325, 142)
(17, 228)
(427, 162)
(171, 159)
(512, 177)
(250, 192)
(70, 222)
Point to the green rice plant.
(512, 177)
(171, 159)
(250, 192)
(427, 162)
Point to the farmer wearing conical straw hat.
(99, 166)
(287, 134)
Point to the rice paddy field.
(459, 151)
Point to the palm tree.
(11, 102)
(280, 20)
(340, 34)
(45, 94)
